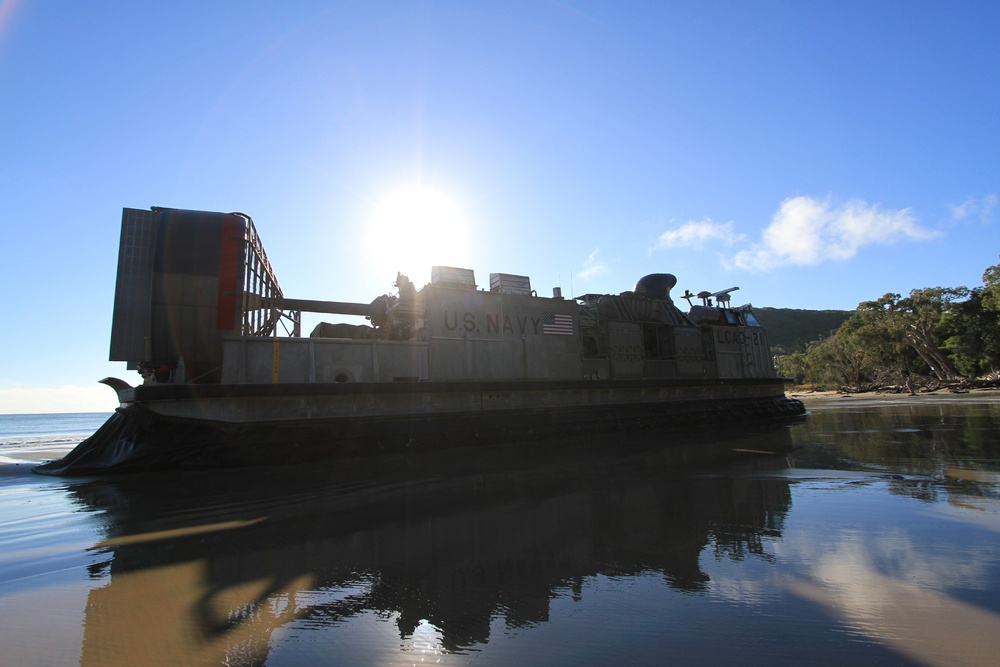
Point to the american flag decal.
(557, 324)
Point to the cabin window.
(650, 342)
(592, 345)
(658, 341)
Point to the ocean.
(867, 532)
(23, 437)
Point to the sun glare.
(415, 228)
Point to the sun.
(415, 228)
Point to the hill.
(790, 329)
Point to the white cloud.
(593, 266)
(695, 234)
(981, 207)
(807, 231)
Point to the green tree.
(839, 360)
(793, 366)
(975, 336)
(948, 332)
(920, 321)
(845, 362)
(883, 352)
(991, 288)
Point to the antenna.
(722, 296)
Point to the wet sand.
(860, 536)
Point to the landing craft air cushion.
(228, 379)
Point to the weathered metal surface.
(405, 419)
(453, 276)
(507, 283)
(330, 400)
(332, 307)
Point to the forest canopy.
(935, 335)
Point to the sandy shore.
(807, 396)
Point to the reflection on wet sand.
(925, 625)
(205, 567)
(883, 584)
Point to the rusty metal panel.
(232, 253)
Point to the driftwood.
(918, 385)
(926, 385)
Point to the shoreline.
(807, 396)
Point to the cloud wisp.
(697, 233)
(975, 207)
(593, 266)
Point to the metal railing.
(262, 296)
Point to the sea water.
(866, 533)
(23, 434)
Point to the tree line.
(936, 336)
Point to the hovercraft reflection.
(215, 565)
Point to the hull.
(191, 426)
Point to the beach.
(886, 396)
(865, 532)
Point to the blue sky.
(815, 154)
